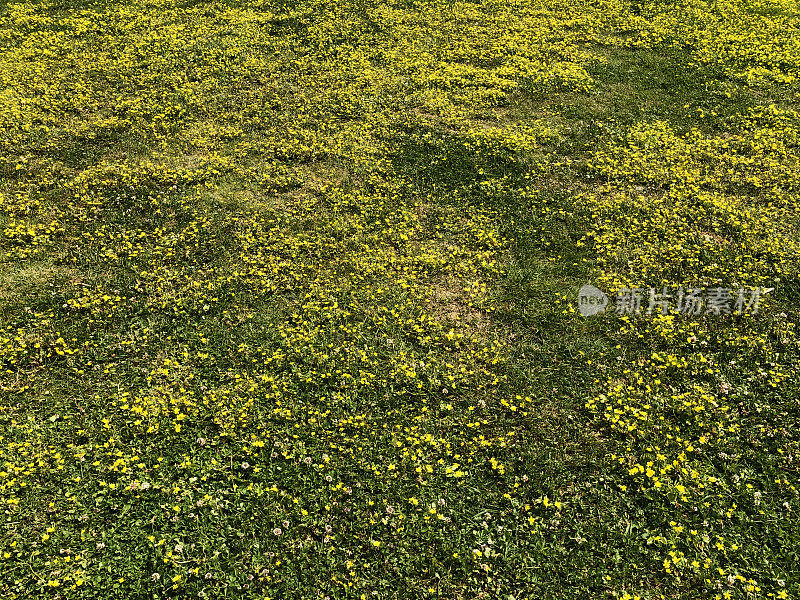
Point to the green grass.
(267, 263)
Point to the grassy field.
(289, 309)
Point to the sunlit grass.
(288, 299)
